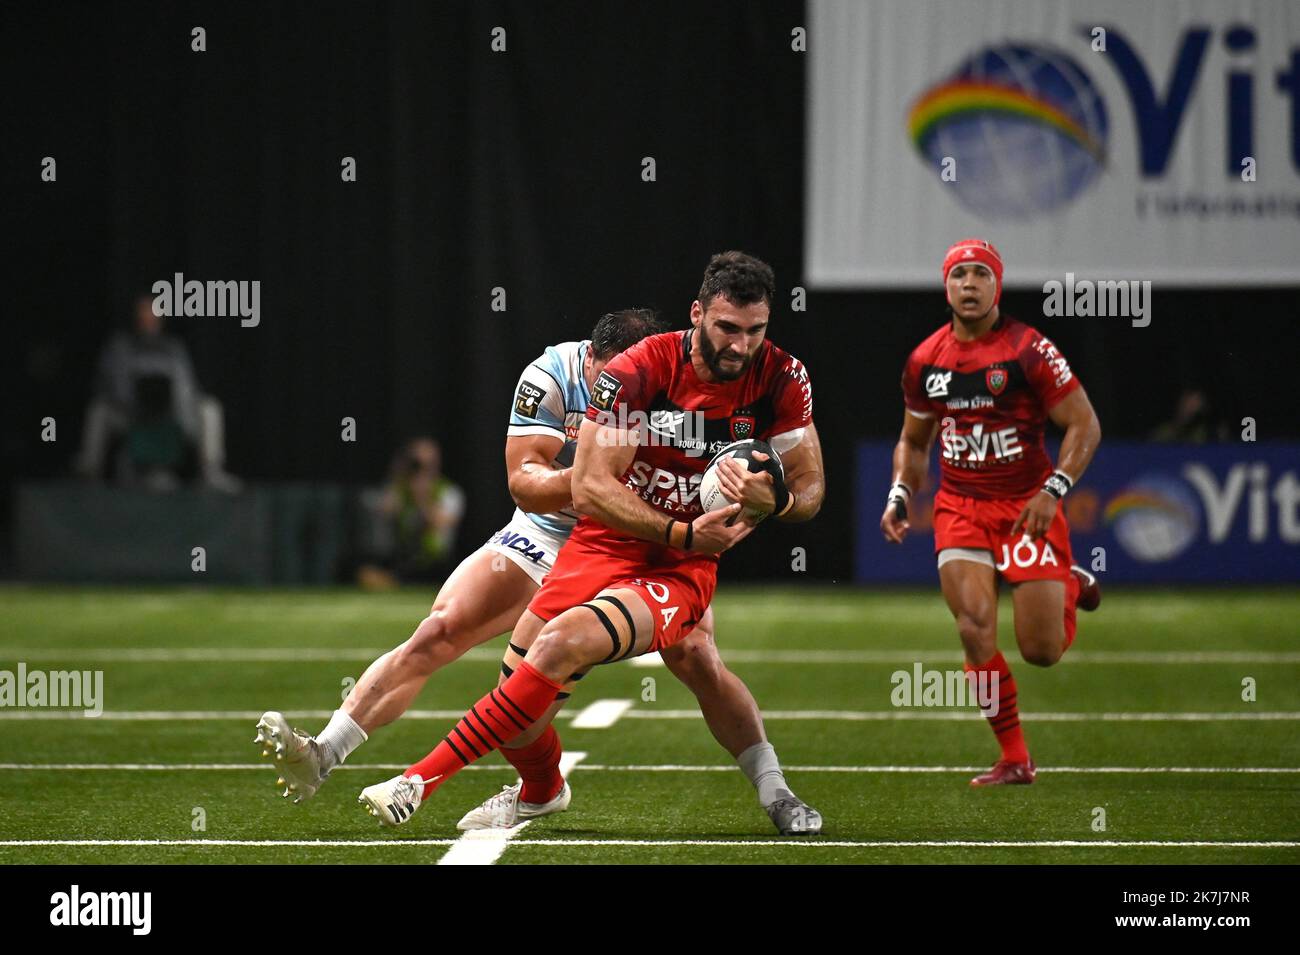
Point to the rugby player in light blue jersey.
(488, 592)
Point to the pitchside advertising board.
(1206, 514)
(1150, 141)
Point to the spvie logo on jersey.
(975, 447)
(676, 492)
(1027, 123)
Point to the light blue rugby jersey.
(551, 398)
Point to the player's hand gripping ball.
(755, 456)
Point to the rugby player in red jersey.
(489, 591)
(987, 384)
(639, 570)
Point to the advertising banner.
(1143, 513)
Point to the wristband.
(1058, 485)
(688, 535)
(784, 499)
(899, 495)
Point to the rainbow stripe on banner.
(971, 97)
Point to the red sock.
(490, 723)
(539, 767)
(1072, 588)
(1006, 722)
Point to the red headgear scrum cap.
(974, 250)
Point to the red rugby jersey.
(991, 397)
(688, 420)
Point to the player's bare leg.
(482, 598)
(971, 589)
(1040, 620)
(725, 702)
(612, 626)
(733, 717)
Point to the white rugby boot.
(794, 817)
(393, 801)
(297, 756)
(505, 809)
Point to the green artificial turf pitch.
(654, 786)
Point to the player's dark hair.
(619, 331)
(741, 278)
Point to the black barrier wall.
(521, 170)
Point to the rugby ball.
(711, 496)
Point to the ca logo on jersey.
(996, 379)
(666, 423)
(605, 392)
(528, 399)
(936, 384)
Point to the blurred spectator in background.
(417, 515)
(1193, 422)
(147, 408)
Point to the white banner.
(1155, 140)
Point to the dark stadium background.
(475, 170)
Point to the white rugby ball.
(711, 496)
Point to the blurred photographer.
(419, 512)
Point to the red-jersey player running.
(987, 384)
(640, 567)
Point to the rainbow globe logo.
(1026, 127)
(1155, 518)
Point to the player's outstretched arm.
(1082, 435)
(911, 461)
(603, 457)
(536, 485)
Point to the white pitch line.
(484, 846)
(187, 715)
(733, 655)
(809, 843)
(641, 768)
(972, 714)
(854, 716)
(601, 714)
